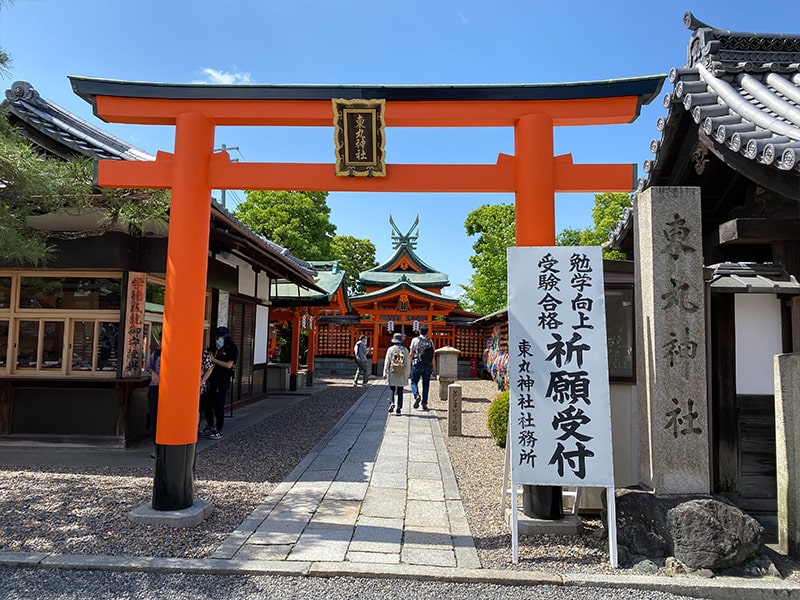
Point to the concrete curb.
(718, 588)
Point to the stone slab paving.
(377, 489)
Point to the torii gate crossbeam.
(533, 174)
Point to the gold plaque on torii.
(359, 135)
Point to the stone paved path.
(379, 488)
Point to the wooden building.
(74, 334)
(732, 130)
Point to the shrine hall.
(400, 295)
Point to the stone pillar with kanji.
(671, 383)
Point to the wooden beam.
(759, 231)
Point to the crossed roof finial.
(407, 239)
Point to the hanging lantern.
(415, 326)
(390, 326)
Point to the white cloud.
(213, 76)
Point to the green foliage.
(607, 211)
(494, 225)
(487, 290)
(299, 221)
(354, 255)
(497, 418)
(34, 184)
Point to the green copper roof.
(329, 277)
(405, 286)
(404, 244)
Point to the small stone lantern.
(447, 368)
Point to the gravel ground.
(478, 464)
(25, 584)
(84, 511)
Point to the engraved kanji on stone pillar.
(674, 430)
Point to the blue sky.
(377, 42)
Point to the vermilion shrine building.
(401, 294)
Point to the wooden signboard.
(360, 136)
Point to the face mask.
(220, 343)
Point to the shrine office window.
(59, 323)
(620, 334)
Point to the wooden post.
(294, 365)
(312, 347)
(376, 336)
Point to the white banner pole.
(514, 524)
(611, 503)
(504, 489)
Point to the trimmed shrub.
(497, 418)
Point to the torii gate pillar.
(184, 306)
(535, 193)
(533, 174)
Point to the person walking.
(224, 359)
(360, 353)
(396, 370)
(422, 356)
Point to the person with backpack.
(421, 366)
(396, 370)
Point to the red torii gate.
(194, 169)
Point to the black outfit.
(218, 384)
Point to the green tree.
(34, 184)
(607, 211)
(487, 291)
(299, 221)
(354, 255)
(494, 225)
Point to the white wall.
(758, 340)
(263, 286)
(262, 335)
(247, 276)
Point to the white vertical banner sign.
(560, 410)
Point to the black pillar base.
(542, 502)
(292, 382)
(309, 378)
(173, 484)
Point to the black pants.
(397, 396)
(218, 391)
(152, 406)
(207, 408)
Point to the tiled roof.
(741, 89)
(751, 278)
(66, 135)
(64, 128)
(742, 92)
